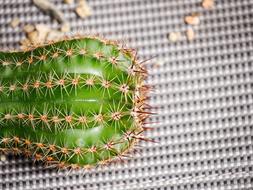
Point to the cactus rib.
(78, 102)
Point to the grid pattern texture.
(203, 96)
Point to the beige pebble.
(190, 34)
(25, 41)
(54, 35)
(3, 158)
(28, 28)
(33, 37)
(69, 1)
(174, 36)
(208, 4)
(25, 44)
(14, 22)
(65, 27)
(83, 10)
(192, 19)
(23, 47)
(43, 31)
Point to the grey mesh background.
(204, 95)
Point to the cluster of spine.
(75, 103)
(47, 83)
(50, 154)
(60, 119)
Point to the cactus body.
(74, 103)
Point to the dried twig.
(50, 9)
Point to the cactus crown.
(74, 103)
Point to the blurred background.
(201, 66)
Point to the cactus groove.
(78, 102)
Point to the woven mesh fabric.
(203, 95)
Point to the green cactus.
(78, 102)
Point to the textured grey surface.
(204, 95)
